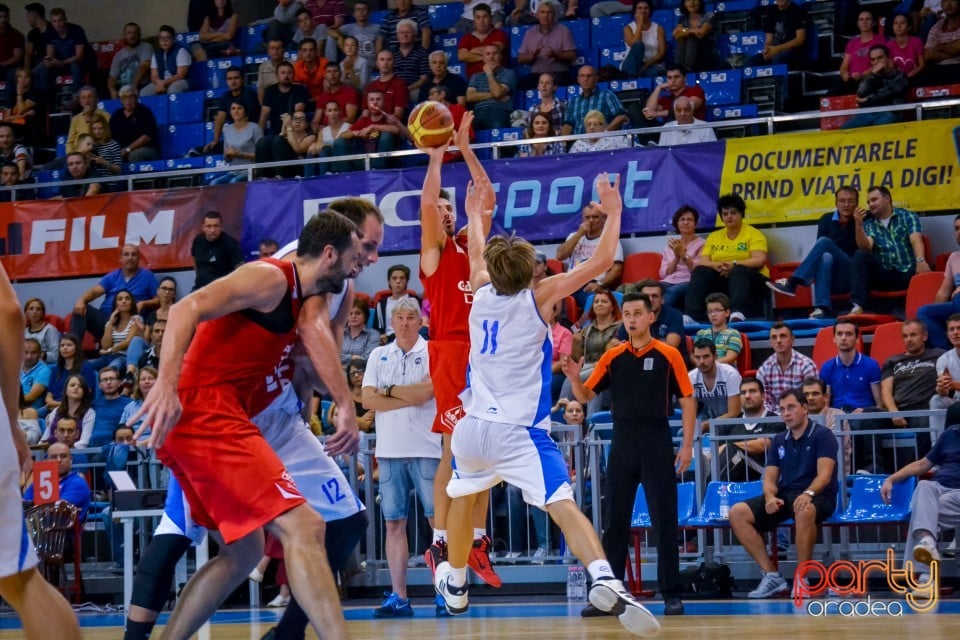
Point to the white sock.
(479, 533)
(599, 569)
(774, 573)
(439, 535)
(458, 577)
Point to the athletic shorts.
(176, 519)
(16, 548)
(233, 481)
(764, 521)
(486, 453)
(448, 372)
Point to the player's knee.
(740, 513)
(301, 524)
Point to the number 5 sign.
(46, 481)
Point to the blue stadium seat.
(174, 164)
(866, 507)
(720, 87)
(251, 38)
(185, 107)
(458, 68)
(638, 84)
(753, 329)
(207, 132)
(324, 408)
(766, 87)
(158, 105)
(581, 33)
(807, 327)
(516, 38)
(197, 77)
(110, 105)
(732, 112)
(443, 16)
(734, 16)
(666, 18)
(709, 514)
(586, 56)
(446, 41)
(608, 31)
(147, 166)
(376, 17)
(742, 45)
(217, 71)
(686, 505)
(61, 146)
(46, 176)
(483, 136)
(180, 138)
(611, 56)
(508, 133)
(187, 38)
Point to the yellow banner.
(793, 177)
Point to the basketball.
(430, 124)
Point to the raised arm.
(432, 235)
(477, 220)
(11, 355)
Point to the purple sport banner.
(539, 199)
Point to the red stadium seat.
(89, 344)
(922, 290)
(804, 297)
(555, 266)
(745, 358)
(893, 295)
(825, 348)
(940, 263)
(641, 265)
(887, 341)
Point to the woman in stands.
(541, 127)
(905, 49)
(358, 339)
(167, 295)
(602, 323)
(856, 58)
(596, 123)
(239, 143)
(121, 328)
(365, 418)
(70, 361)
(694, 36)
(146, 377)
(218, 33)
(646, 43)
(292, 143)
(40, 330)
(354, 67)
(549, 104)
(107, 156)
(76, 402)
(322, 146)
(680, 255)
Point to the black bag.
(709, 580)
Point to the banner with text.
(82, 236)
(790, 178)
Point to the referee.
(642, 375)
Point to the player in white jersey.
(504, 436)
(43, 611)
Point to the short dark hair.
(307, 41)
(673, 66)
(234, 69)
(648, 282)
(720, 298)
(882, 189)
(212, 215)
(682, 210)
(356, 209)
(306, 11)
(637, 296)
(752, 380)
(781, 325)
(856, 328)
(483, 6)
(399, 267)
(287, 63)
(122, 425)
(881, 47)
(168, 29)
(270, 242)
(705, 343)
(953, 317)
(444, 194)
(796, 393)
(848, 189)
(37, 8)
(326, 228)
(809, 381)
(4, 8)
(732, 201)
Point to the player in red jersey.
(445, 274)
(245, 325)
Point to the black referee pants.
(646, 458)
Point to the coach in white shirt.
(397, 386)
(679, 132)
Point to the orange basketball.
(430, 124)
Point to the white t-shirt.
(685, 135)
(713, 402)
(586, 248)
(403, 433)
(950, 361)
(326, 134)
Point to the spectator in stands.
(549, 104)
(268, 247)
(12, 46)
(482, 33)
(79, 168)
(108, 405)
(134, 127)
(679, 130)
(330, 13)
(308, 70)
(492, 92)
(73, 486)
(742, 460)
(322, 147)
(948, 374)
(358, 339)
(292, 143)
(197, 11)
(398, 277)
(519, 13)
(541, 127)
(694, 36)
(9, 177)
(169, 66)
(15, 154)
(81, 122)
(942, 50)
(646, 43)
(76, 405)
(34, 375)
(409, 58)
(593, 99)
(680, 256)
(283, 24)
(890, 247)
(365, 417)
(267, 71)
(562, 339)
(218, 33)
(881, 86)
(319, 33)
(856, 58)
(581, 244)
(121, 328)
(146, 377)
(151, 357)
(933, 507)
(70, 360)
(67, 49)
(728, 343)
(454, 84)
(548, 48)
(606, 8)
(387, 37)
(240, 139)
(285, 98)
(906, 49)
(68, 432)
(107, 155)
(733, 261)
(369, 134)
(346, 97)
(667, 325)
(215, 253)
(27, 106)
(354, 67)
(467, 22)
(36, 46)
(818, 397)
(237, 91)
(786, 367)
(365, 35)
(829, 262)
(852, 378)
(131, 63)
(130, 276)
(660, 102)
(785, 27)
(716, 385)
(603, 323)
(394, 90)
(595, 123)
(799, 482)
(947, 300)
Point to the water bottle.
(576, 584)
(724, 503)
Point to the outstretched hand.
(461, 139)
(160, 412)
(475, 204)
(611, 203)
(346, 438)
(570, 366)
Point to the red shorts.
(448, 371)
(233, 480)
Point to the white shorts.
(16, 548)
(176, 518)
(486, 453)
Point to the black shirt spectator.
(126, 129)
(280, 103)
(843, 235)
(251, 102)
(455, 84)
(215, 253)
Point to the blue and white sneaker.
(456, 599)
(393, 607)
(609, 595)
